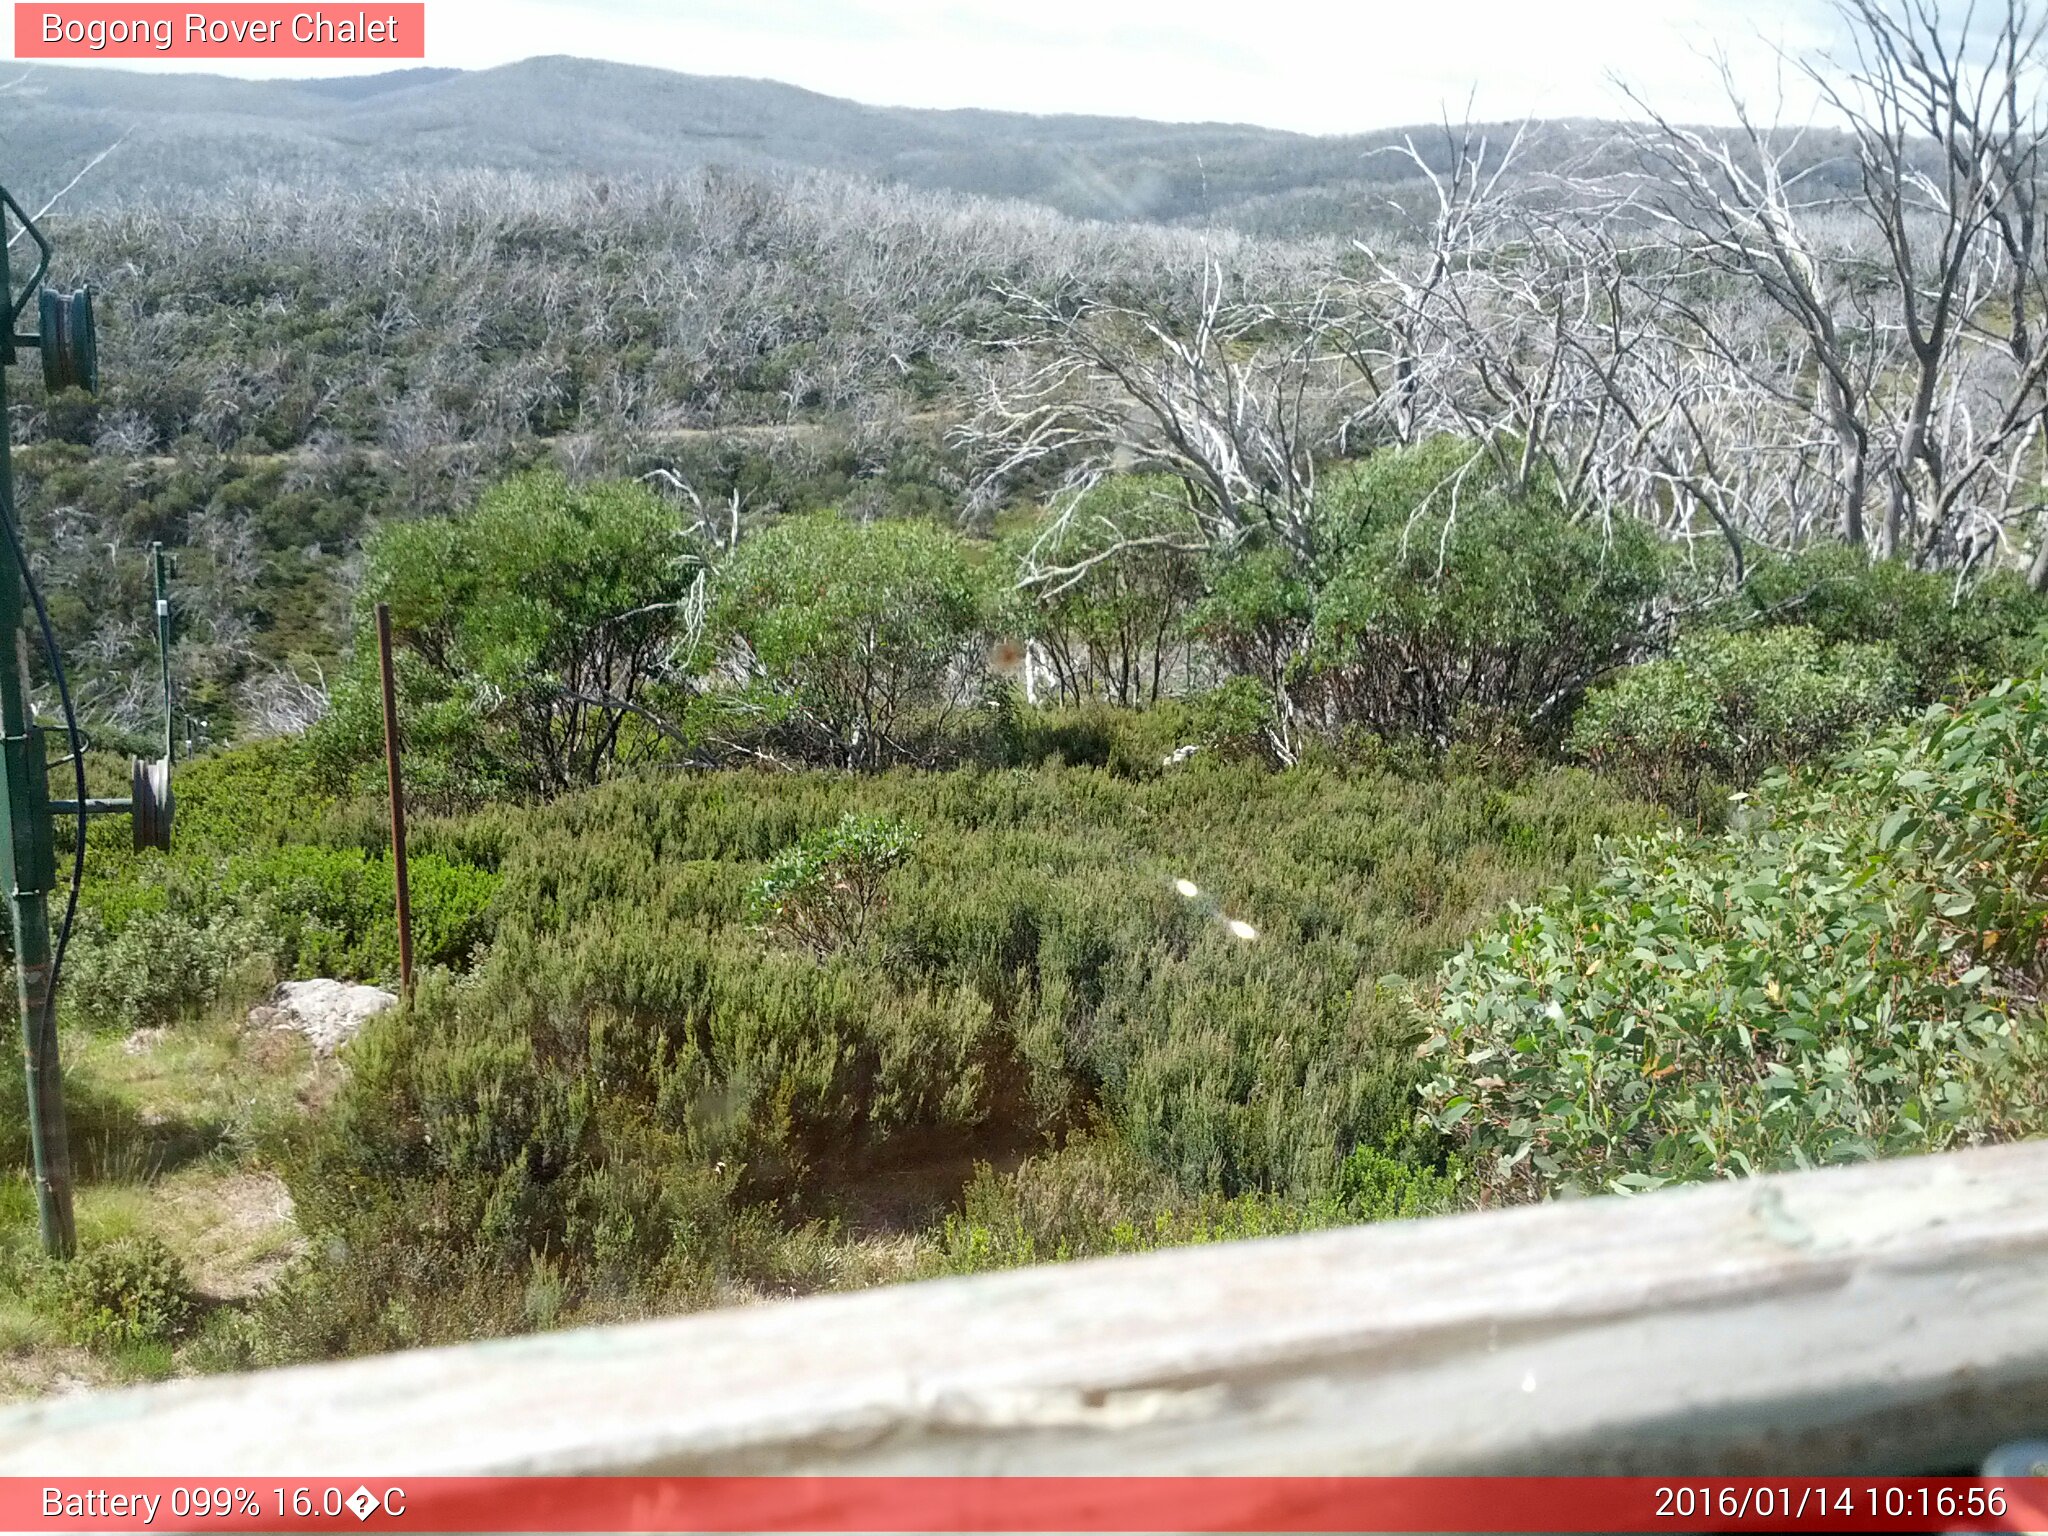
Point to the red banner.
(378, 30)
(1091, 1504)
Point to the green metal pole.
(28, 863)
(163, 637)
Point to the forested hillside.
(944, 733)
(284, 370)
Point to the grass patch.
(174, 1136)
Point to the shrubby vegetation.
(644, 1091)
(1095, 1195)
(1456, 596)
(643, 1094)
(1949, 634)
(555, 634)
(535, 630)
(754, 884)
(1728, 705)
(826, 890)
(1850, 972)
(958, 739)
(1437, 601)
(283, 374)
(1806, 655)
(844, 640)
(1112, 624)
(270, 878)
(131, 1291)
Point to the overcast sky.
(1321, 66)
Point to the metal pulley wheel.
(70, 355)
(150, 807)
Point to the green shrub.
(1727, 706)
(637, 1086)
(1231, 720)
(1130, 743)
(127, 1292)
(1438, 598)
(1096, 1195)
(178, 936)
(229, 1339)
(847, 635)
(246, 797)
(1257, 618)
(534, 636)
(1377, 1185)
(332, 911)
(1852, 976)
(1110, 623)
(162, 966)
(826, 891)
(1949, 637)
(269, 877)
(1453, 595)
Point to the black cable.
(35, 596)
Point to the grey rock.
(326, 1012)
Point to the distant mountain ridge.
(192, 134)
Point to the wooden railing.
(1888, 1318)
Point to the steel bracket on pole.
(33, 865)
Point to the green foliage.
(637, 1098)
(227, 1339)
(332, 911)
(1231, 720)
(1095, 1195)
(256, 795)
(1964, 793)
(1257, 616)
(1110, 622)
(535, 635)
(1227, 722)
(1726, 706)
(127, 1292)
(160, 966)
(269, 878)
(846, 634)
(1949, 636)
(1439, 602)
(1377, 1185)
(826, 891)
(17, 1198)
(1456, 597)
(1852, 976)
(638, 1087)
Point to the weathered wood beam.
(1886, 1318)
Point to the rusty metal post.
(398, 875)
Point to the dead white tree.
(1910, 267)
(1409, 293)
(1960, 236)
(1240, 399)
(1742, 207)
(282, 702)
